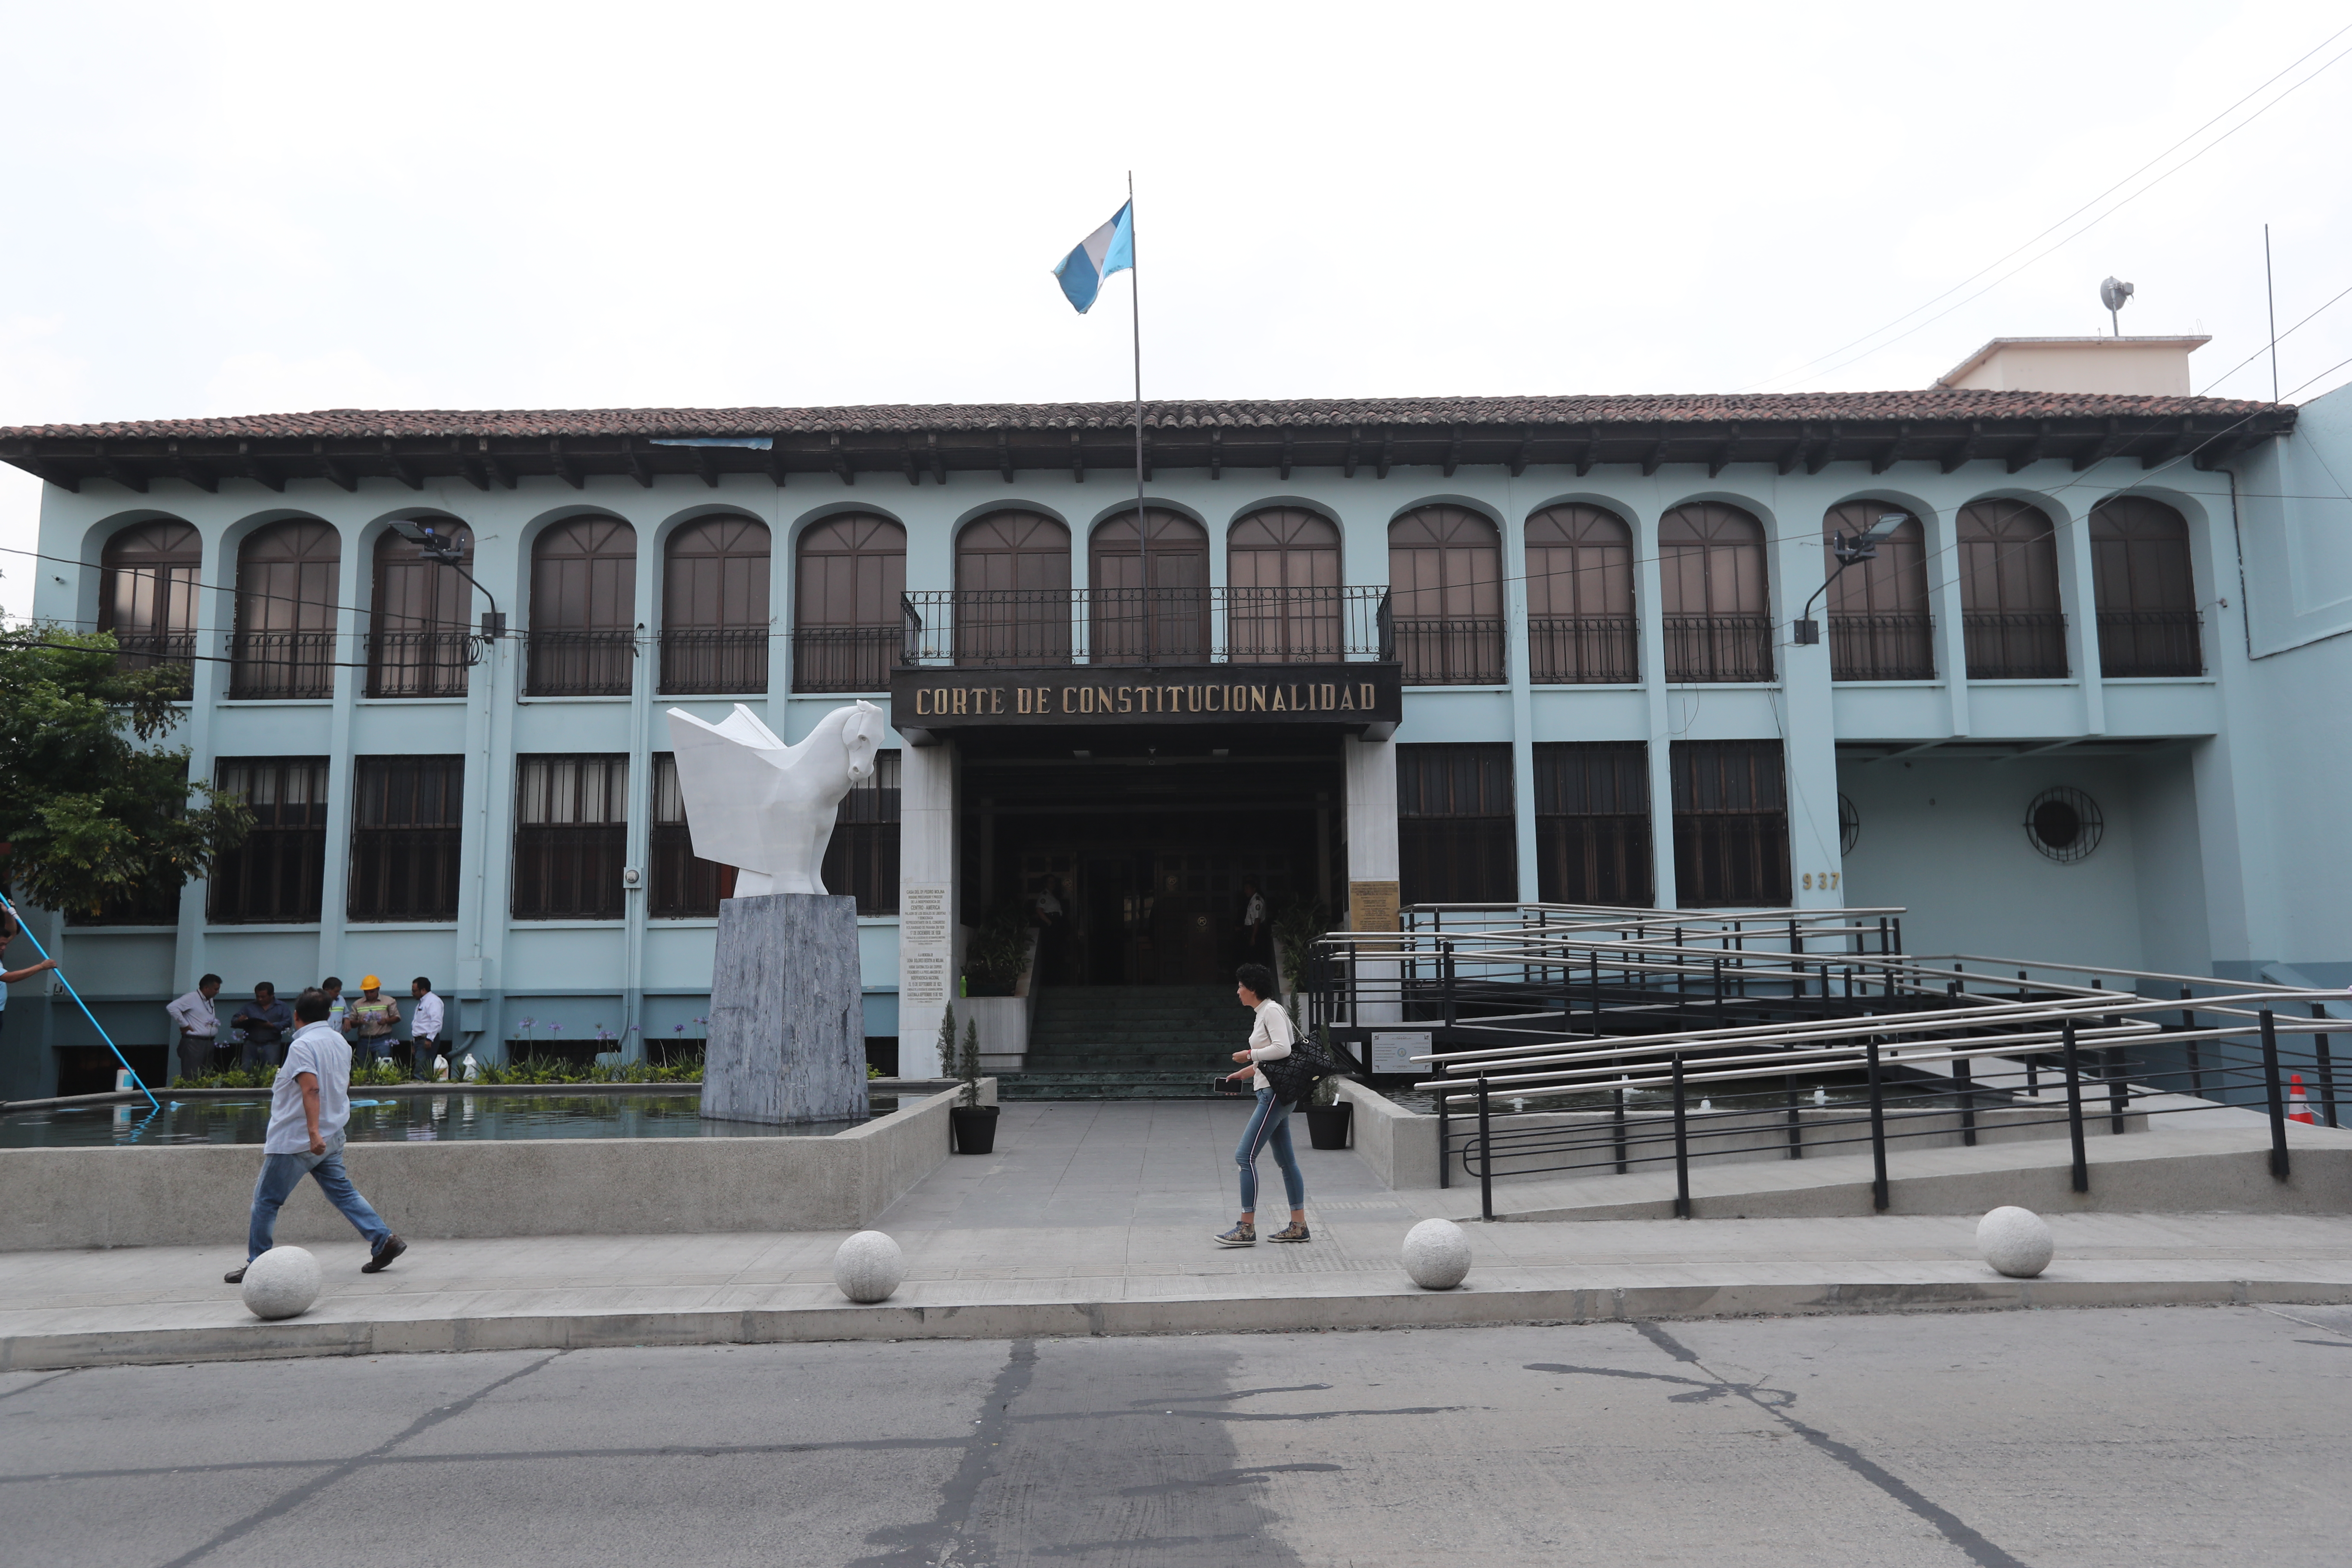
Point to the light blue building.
(2085, 702)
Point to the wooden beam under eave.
(1077, 459)
(1722, 457)
(2105, 446)
(1355, 445)
(2157, 455)
(1785, 463)
(1454, 454)
(841, 468)
(1216, 453)
(1004, 455)
(401, 469)
(250, 466)
(1653, 457)
(187, 471)
(1894, 450)
(55, 474)
(1966, 452)
(123, 474)
(938, 464)
(2018, 461)
(1388, 450)
(1527, 446)
(1588, 454)
(562, 465)
(1286, 452)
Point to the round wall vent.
(2064, 823)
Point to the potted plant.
(974, 1124)
(994, 957)
(1330, 1120)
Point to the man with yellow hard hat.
(374, 1019)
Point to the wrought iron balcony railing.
(1143, 626)
(2020, 645)
(731, 659)
(845, 658)
(1447, 650)
(148, 650)
(2150, 643)
(1583, 649)
(1718, 648)
(581, 664)
(281, 664)
(429, 663)
(1883, 647)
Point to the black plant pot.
(975, 1129)
(1327, 1125)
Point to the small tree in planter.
(974, 1123)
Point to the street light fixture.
(1848, 549)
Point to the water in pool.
(395, 1118)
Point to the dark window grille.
(847, 630)
(1592, 823)
(715, 607)
(684, 884)
(1718, 648)
(2146, 589)
(1282, 601)
(284, 642)
(1580, 626)
(147, 596)
(405, 838)
(1455, 840)
(733, 661)
(584, 585)
(417, 642)
(2019, 647)
(1583, 649)
(276, 874)
(1013, 591)
(1731, 823)
(862, 859)
(1445, 594)
(2012, 625)
(1882, 648)
(572, 837)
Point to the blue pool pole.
(86, 1013)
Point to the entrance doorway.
(1152, 858)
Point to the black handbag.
(1294, 1078)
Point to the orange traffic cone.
(2298, 1109)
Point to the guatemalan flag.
(1110, 248)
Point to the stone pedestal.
(787, 1038)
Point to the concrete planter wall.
(550, 1186)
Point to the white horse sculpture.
(766, 808)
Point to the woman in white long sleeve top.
(1269, 1123)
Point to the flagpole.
(1135, 309)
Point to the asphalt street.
(2173, 1436)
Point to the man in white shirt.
(423, 1028)
(199, 1027)
(310, 1105)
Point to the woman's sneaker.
(1243, 1235)
(1294, 1231)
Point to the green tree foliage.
(94, 811)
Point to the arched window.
(1717, 604)
(1879, 625)
(1282, 567)
(715, 607)
(285, 580)
(147, 592)
(1445, 597)
(417, 635)
(2008, 559)
(1164, 620)
(2146, 592)
(583, 596)
(1013, 590)
(846, 625)
(1581, 624)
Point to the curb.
(1462, 1308)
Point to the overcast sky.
(249, 208)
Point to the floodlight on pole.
(2112, 294)
(1848, 549)
(451, 552)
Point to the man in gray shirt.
(310, 1105)
(199, 1026)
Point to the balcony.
(281, 665)
(581, 664)
(1883, 647)
(1032, 626)
(1718, 648)
(1582, 650)
(2141, 643)
(845, 658)
(1438, 650)
(2024, 645)
(729, 659)
(419, 663)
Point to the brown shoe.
(236, 1276)
(1294, 1231)
(393, 1248)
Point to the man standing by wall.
(425, 1029)
(198, 1025)
(310, 1105)
(265, 1021)
(372, 1020)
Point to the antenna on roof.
(2112, 294)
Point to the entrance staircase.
(1128, 1042)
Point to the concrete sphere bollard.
(282, 1282)
(869, 1266)
(2015, 1241)
(1436, 1254)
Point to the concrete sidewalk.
(1096, 1219)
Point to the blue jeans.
(281, 1173)
(1269, 1124)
